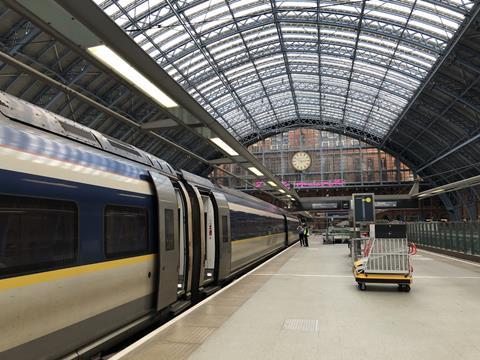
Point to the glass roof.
(259, 64)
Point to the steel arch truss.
(441, 131)
(26, 42)
(255, 65)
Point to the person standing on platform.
(300, 231)
(306, 233)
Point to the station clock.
(301, 161)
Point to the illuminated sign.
(385, 204)
(317, 184)
(307, 184)
(325, 205)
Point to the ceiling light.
(290, 196)
(281, 190)
(255, 171)
(224, 146)
(422, 195)
(437, 191)
(271, 183)
(111, 59)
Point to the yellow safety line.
(32, 279)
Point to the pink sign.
(317, 184)
(308, 184)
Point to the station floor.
(304, 304)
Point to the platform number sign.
(364, 207)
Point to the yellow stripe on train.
(25, 280)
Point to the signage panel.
(364, 207)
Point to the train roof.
(34, 116)
(19, 110)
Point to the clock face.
(301, 161)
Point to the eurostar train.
(97, 237)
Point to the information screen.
(364, 207)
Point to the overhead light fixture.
(289, 196)
(281, 191)
(422, 195)
(224, 146)
(255, 171)
(437, 191)
(271, 183)
(111, 59)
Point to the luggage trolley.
(385, 261)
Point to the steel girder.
(449, 108)
(203, 45)
(36, 48)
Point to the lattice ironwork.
(255, 65)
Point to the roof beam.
(196, 38)
(284, 55)
(260, 80)
(389, 65)
(440, 61)
(353, 57)
(222, 161)
(84, 25)
(443, 112)
(42, 77)
(171, 63)
(449, 152)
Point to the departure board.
(364, 207)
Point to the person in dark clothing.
(300, 231)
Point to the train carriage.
(98, 238)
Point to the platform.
(304, 304)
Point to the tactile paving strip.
(301, 325)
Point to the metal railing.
(383, 256)
(453, 236)
(388, 256)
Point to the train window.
(126, 230)
(225, 228)
(77, 131)
(36, 234)
(244, 225)
(169, 230)
(123, 147)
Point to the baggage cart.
(384, 261)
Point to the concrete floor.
(305, 305)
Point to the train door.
(183, 243)
(168, 249)
(223, 244)
(209, 239)
(197, 241)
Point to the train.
(99, 239)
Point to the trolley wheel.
(362, 286)
(403, 287)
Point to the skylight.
(278, 61)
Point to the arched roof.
(256, 65)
